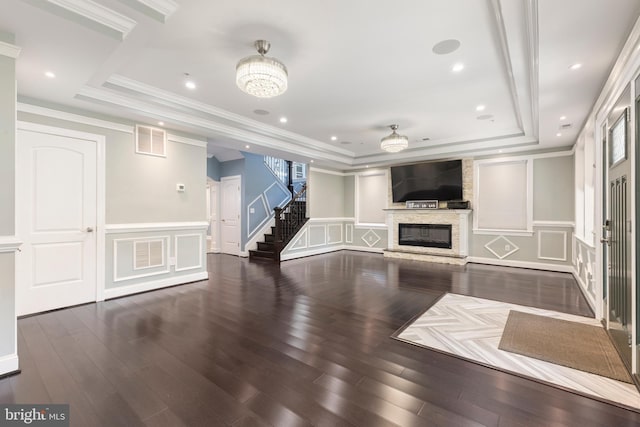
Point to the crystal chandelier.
(394, 142)
(261, 76)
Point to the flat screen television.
(427, 181)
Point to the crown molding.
(185, 140)
(10, 50)
(180, 102)
(165, 8)
(533, 39)
(98, 13)
(226, 131)
(496, 10)
(70, 117)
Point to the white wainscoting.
(584, 268)
(9, 244)
(183, 258)
(324, 235)
(9, 364)
(119, 248)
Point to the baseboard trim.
(319, 251)
(522, 264)
(364, 249)
(9, 365)
(328, 249)
(583, 288)
(153, 285)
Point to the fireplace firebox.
(425, 235)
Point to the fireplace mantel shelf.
(439, 211)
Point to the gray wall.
(7, 145)
(553, 201)
(141, 188)
(326, 195)
(553, 189)
(7, 200)
(349, 196)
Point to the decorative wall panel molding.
(260, 214)
(501, 247)
(312, 235)
(122, 272)
(552, 238)
(301, 242)
(334, 233)
(183, 261)
(370, 238)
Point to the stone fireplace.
(435, 235)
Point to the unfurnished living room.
(337, 213)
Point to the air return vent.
(148, 254)
(566, 126)
(151, 141)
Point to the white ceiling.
(355, 67)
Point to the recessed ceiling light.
(485, 117)
(563, 117)
(480, 107)
(575, 66)
(160, 123)
(558, 134)
(457, 67)
(283, 120)
(311, 160)
(247, 146)
(334, 138)
(367, 166)
(499, 151)
(446, 47)
(190, 84)
(50, 74)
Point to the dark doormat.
(575, 345)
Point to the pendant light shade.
(394, 142)
(260, 75)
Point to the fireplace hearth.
(425, 235)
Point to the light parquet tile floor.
(472, 327)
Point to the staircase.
(289, 220)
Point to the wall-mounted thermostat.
(180, 188)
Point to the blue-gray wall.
(261, 191)
(213, 168)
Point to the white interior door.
(230, 215)
(56, 213)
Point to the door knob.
(89, 230)
(605, 240)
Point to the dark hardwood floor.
(304, 344)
